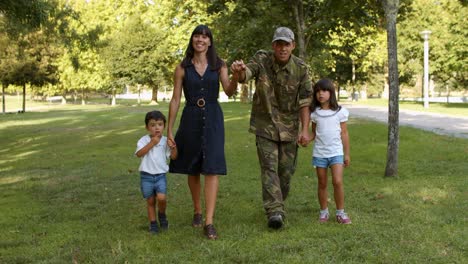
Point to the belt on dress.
(202, 101)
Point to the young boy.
(154, 150)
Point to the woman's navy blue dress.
(200, 136)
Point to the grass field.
(457, 109)
(14, 103)
(69, 193)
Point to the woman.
(200, 136)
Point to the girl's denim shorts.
(152, 184)
(327, 162)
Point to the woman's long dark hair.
(324, 85)
(213, 60)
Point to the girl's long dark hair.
(213, 60)
(324, 85)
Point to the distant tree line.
(72, 48)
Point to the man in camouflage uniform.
(281, 100)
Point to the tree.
(28, 59)
(298, 10)
(252, 31)
(21, 61)
(446, 19)
(6, 49)
(24, 14)
(391, 12)
(79, 31)
(140, 50)
(136, 55)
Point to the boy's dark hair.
(324, 85)
(214, 61)
(156, 115)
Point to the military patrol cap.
(283, 33)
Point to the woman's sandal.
(197, 220)
(210, 232)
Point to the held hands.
(304, 139)
(171, 142)
(238, 69)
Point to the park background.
(68, 177)
(81, 49)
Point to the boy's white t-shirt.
(155, 161)
(328, 132)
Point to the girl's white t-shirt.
(327, 141)
(155, 161)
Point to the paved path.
(456, 126)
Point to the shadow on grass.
(69, 190)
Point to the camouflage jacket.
(280, 91)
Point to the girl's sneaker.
(323, 218)
(343, 219)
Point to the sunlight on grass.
(11, 179)
(69, 189)
(234, 119)
(434, 195)
(129, 131)
(27, 122)
(4, 161)
(26, 154)
(388, 190)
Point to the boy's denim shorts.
(151, 184)
(327, 162)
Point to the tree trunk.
(448, 92)
(338, 91)
(391, 11)
(3, 98)
(139, 94)
(154, 94)
(338, 88)
(24, 98)
(298, 10)
(113, 100)
(244, 98)
(385, 92)
(74, 96)
(64, 95)
(353, 77)
(83, 97)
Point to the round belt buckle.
(201, 102)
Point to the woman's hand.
(171, 142)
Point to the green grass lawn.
(69, 193)
(14, 103)
(457, 109)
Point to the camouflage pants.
(277, 164)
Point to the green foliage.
(24, 15)
(79, 64)
(77, 199)
(137, 54)
(243, 27)
(448, 49)
(103, 45)
(26, 56)
(29, 60)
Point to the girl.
(331, 148)
(200, 136)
